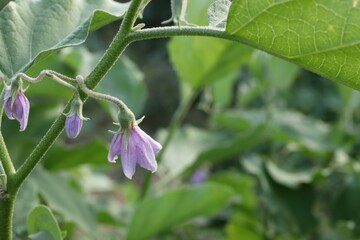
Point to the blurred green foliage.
(279, 147)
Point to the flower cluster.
(130, 142)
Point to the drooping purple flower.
(138, 148)
(16, 106)
(73, 125)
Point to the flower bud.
(73, 125)
(74, 119)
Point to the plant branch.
(118, 45)
(166, 32)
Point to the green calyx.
(126, 122)
(76, 108)
(15, 87)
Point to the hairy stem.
(101, 96)
(165, 32)
(6, 213)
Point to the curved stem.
(175, 124)
(122, 106)
(53, 75)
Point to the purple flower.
(74, 118)
(138, 148)
(73, 125)
(199, 176)
(16, 106)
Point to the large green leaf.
(162, 212)
(321, 35)
(31, 30)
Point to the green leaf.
(276, 71)
(42, 235)
(64, 199)
(25, 202)
(289, 179)
(94, 152)
(124, 80)
(42, 219)
(32, 30)
(322, 36)
(162, 212)
(200, 61)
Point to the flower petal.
(8, 110)
(144, 153)
(115, 148)
(156, 147)
(73, 125)
(25, 106)
(128, 158)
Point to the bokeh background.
(282, 140)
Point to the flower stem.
(53, 75)
(175, 124)
(121, 105)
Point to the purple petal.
(128, 158)
(144, 153)
(156, 147)
(6, 93)
(23, 117)
(73, 125)
(115, 148)
(7, 107)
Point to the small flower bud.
(74, 119)
(73, 125)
